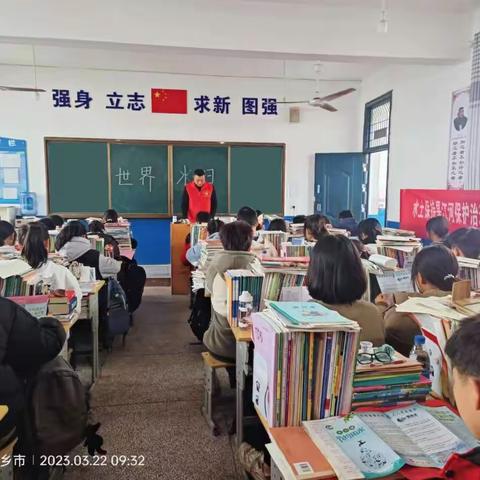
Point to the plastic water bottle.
(420, 355)
(245, 307)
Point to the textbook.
(198, 231)
(401, 248)
(35, 305)
(238, 281)
(62, 305)
(273, 240)
(307, 315)
(290, 250)
(301, 374)
(303, 457)
(277, 279)
(353, 448)
(388, 384)
(419, 436)
(470, 270)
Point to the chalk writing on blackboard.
(145, 178)
(146, 172)
(123, 177)
(187, 174)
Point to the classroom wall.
(27, 117)
(420, 125)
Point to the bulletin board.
(13, 170)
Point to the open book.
(419, 436)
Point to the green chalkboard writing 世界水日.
(256, 178)
(212, 159)
(77, 175)
(139, 178)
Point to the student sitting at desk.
(368, 230)
(33, 241)
(249, 215)
(48, 223)
(96, 227)
(236, 239)
(278, 225)
(73, 244)
(336, 279)
(437, 229)
(465, 242)
(462, 348)
(434, 271)
(7, 237)
(57, 220)
(260, 219)
(348, 222)
(26, 343)
(315, 227)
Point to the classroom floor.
(148, 399)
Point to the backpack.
(132, 278)
(118, 315)
(199, 319)
(56, 416)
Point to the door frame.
(388, 96)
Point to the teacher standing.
(198, 196)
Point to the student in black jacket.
(26, 343)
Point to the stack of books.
(97, 243)
(296, 229)
(402, 249)
(290, 250)
(386, 384)
(62, 305)
(285, 262)
(276, 279)
(275, 240)
(18, 279)
(398, 232)
(209, 249)
(198, 231)
(470, 270)
(304, 361)
(237, 282)
(121, 233)
(338, 231)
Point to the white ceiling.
(403, 5)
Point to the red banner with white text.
(460, 207)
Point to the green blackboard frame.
(279, 187)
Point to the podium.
(180, 282)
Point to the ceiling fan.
(317, 100)
(34, 89)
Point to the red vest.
(198, 200)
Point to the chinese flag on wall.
(169, 101)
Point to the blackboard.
(139, 178)
(85, 177)
(212, 159)
(256, 178)
(77, 177)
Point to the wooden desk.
(91, 313)
(179, 272)
(243, 337)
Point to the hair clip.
(450, 275)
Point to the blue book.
(309, 314)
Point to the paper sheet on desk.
(436, 306)
(395, 281)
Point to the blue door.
(340, 184)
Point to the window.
(376, 145)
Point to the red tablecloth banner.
(460, 207)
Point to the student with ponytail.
(434, 271)
(33, 240)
